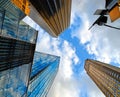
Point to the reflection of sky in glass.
(41, 61)
(10, 25)
(44, 69)
(13, 83)
(13, 26)
(26, 33)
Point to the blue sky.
(75, 45)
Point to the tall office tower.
(106, 77)
(51, 15)
(44, 70)
(17, 45)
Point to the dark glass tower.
(17, 45)
(52, 15)
(105, 76)
(44, 70)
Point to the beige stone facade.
(105, 76)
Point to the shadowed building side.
(105, 76)
(39, 20)
(52, 15)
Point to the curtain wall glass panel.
(17, 46)
(14, 53)
(11, 24)
(14, 82)
(44, 70)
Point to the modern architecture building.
(17, 45)
(51, 15)
(20, 76)
(105, 76)
(44, 70)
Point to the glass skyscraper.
(17, 45)
(44, 70)
(20, 76)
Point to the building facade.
(20, 76)
(17, 45)
(105, 76)
(52, 15)
(44, 70)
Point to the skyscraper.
(105, 76)
(51, 15)
(44, 70)
(17, 45)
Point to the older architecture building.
(51, 15)
(106, 77)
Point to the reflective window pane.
(32, 35)
(1, 18)
(10, 25)
(13, 82)
(23, 31)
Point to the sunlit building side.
(44, 70)
(105, 76)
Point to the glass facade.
(11, 24)
(9, 6)
(17, 45)
(14, 53)
(18, 77)
(26, 33)
(43, 72)
(17, 39)
(14, 82)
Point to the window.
(32, 35)
(10, 25)
(1, 18)
(23, 31)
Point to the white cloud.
(106, 45)
(82, 33)
(64, 82)
(102, 42)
